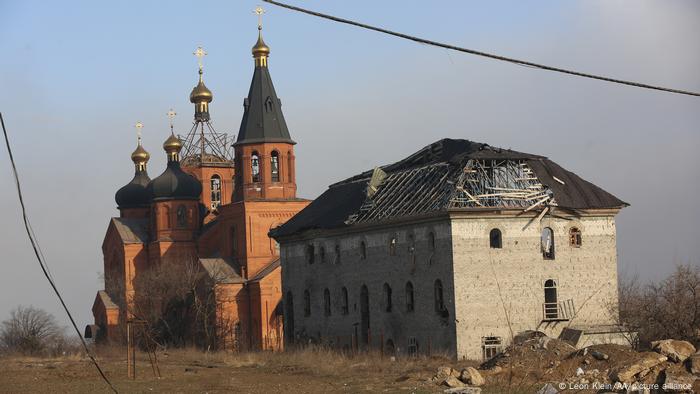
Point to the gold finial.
(139, 156)
(260, 50)
(171, 116)
(200, 53)
(138, 126)
(259, 11)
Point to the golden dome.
(172, 144)
(140, 156)
(260, 48)
(200, 93)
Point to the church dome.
(174, 184)
(201, 93)
(172, 144)
(260, 48)
(134, 194)
(140, 155)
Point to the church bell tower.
(264, 149)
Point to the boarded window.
(412, 347)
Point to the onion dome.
(173, 183)
(260, 48)
(135, 194)
(172, 145)
(200, 93)
(140, 156)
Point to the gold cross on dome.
(171, 116)
(200, 53)
(259, 11)
(138, 126)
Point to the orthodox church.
(211, 208)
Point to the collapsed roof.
(450, 175)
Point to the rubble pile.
(539, 364)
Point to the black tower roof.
(174, 184)
(134, 193)
(262, 118)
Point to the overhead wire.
(40, 259)
(483, 54)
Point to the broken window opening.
(412, 347)
(575, 237)
(431, 241)
(392, 246)
(363, 250)
(495, 239)
(439, 298)
(310, 253)
(181, 216)
(547, 243)
(322, 254)
(337, 254)
(387, 298)
(410, 304)
(551, 304)
(491, 346)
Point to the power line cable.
(39, 255)
(483, 54)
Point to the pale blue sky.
(75, 76)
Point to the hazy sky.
(75, 77)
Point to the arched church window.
(547, 240)
(275, 166)
(215, 185)
(181, 216)
(255, 166)
(268, 104)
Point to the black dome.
(174, 184)
(134, 194)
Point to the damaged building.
(454, 249)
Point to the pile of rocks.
(466, 381)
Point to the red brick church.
(211, 208)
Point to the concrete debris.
(451, 381)
(676, 351)
(678, 382)
(599, 355)
(548, 389)
(694, 364)
(626, 374)
(463, 390)
(472, 377)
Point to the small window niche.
(495, 239)
(310, 253)
(575, 237)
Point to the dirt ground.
(196, 372)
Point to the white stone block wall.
(587, 275)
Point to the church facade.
(207, 216)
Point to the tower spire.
(260, 50)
